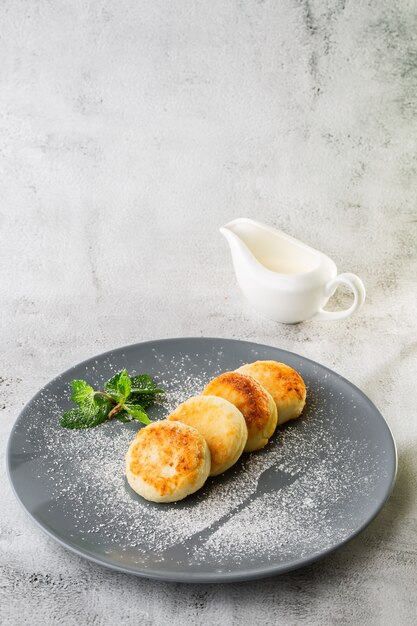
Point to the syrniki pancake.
(221, 424)
(167, 461)
(283, 383)
(254, 402)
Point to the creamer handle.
(359, 294)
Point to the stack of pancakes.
(205, 435)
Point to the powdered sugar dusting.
(299, 496)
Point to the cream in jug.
(283, 278)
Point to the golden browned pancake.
(167, 461)
(221, 424)
(252, 400)
(283, 383)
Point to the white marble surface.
(129, 132)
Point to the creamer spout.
(236, 230)
(231, 232)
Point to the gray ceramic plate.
(316, 485)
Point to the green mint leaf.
(74, 418)
(136, 400)
(104, 408)
(78, 418)
(119, 386)
(142, 382)
(144, 399)
(136, 411)
(124, 417)
(84, 396)
(124, 385)
(146, 391)
(143, 390)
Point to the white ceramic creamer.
(283, 278)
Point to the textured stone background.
(129, 132)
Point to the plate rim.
(267, 570)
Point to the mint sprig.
(137, 412)
(80, 418)
(125, 397)
(84, 396)
(119, 386)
